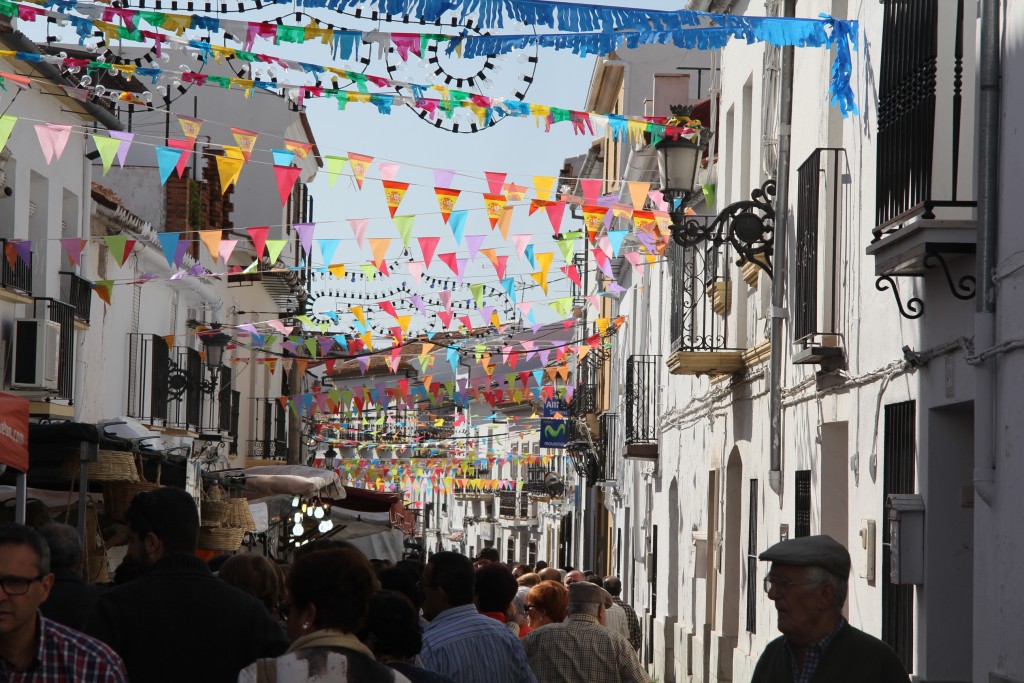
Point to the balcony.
(609, 443)
(925, 196)
(77, 291)
(270, 429)
(514, 509)
(702, 341)
(642, 382)
(164, 383)
(63, 313)
(820, 197)
(15, 275)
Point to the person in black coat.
(808, 584)
(392, 632)
(71, 598)
(178, 622)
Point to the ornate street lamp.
(748, 225)
(214, 343)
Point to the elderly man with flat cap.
(808, 582)
(581, 648)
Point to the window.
(510, 556)
(752, 583)
(802, 527)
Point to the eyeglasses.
(782, 585)
(17, 585)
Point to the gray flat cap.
(584, 591)
(817, 551)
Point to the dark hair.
(541, 564)
(380, 565)
(169, 513)
(551, 598)
(339, 582)
(65, 546)
(491, 554)
(613, 585)
(596, 580)
(16, 534)
(255, 575)
(453, 573)
(402, 580)
(321, 544)
(393, 627)
(128, 570)
(495, 588)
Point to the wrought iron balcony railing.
(163, 383)
(609, 443)
(925, 145)
(63, 313)
(77, 291)
(16, 277)
(259, 448)
(270, 429)
(642, 381)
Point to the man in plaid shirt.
(581, 648)
(613, 585)
(34, 649)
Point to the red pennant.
(495, 181)
(450, 260)
(259, 239)
(427, 246)
(446, 317)
(185, 146)
(286, 177)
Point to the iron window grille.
(16, 277)
(899, 452)
(642, 399)
(802, 525)
(77, 291)
(63, 313)
(752, 583)
(699, 273)
(820, 181)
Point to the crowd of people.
(335, 615)
(332, 615)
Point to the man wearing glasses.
(33, 648)
(808, 584)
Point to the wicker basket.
(225, 539)
(111, 466)
(232, 512)
(117, 495)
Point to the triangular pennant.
(299, 149)
(393, 194)
(404, 226)
(186, 147)
(379, 248)
(555, 210)
(494, 203)
(211, 238)
(228, 170)
(327, 249)
(473, 243)
(388, 171)
(495, 182)
(638, 194)
(246, 141)
(167, 158)
(190, 126)
(169, 244)
(274, 249)
(428, 245)
(335, 167)
(615, 238)
(305, 231)
(259, 239)
(282, 157)
(593, 220)
(286, 177)
(360, 165)
(591, 189)
(126, 142)
(53, 138)
(505, 222)
(107, 147)
(542, 186)
(446, 199)
(6, 126)
(104, 290)
(226, 247)
(358, 226)
(457, 223)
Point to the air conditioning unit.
(36, 354)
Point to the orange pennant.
(211, 238)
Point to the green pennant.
(404, 226)
(274, 248)
(312, 346)
(335, 167)
(155, 19)
(369, 270)
(6, 126)
(116, 245)
(107, 147)
(568, 248)
(290, 34)
(478, 294)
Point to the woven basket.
(111, 466)
(225, 538)
(233, 512)
(117, 495)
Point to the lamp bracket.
(748, 225)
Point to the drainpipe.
(779, 271)
(988, 224)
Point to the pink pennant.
(450, 260)
(473, 243)
(525, 307)
(658, 199)
(364, 362)
(388, 308)
(415, 270)
(286, 177)
(572, 274)
(186, 147)
(73, 248)
(605, 245)
(53, 138)
(555, 210)
(521, 241)
(635, 259)
(466, 322)
(499, 266)
(446, 317)
(259, 239)
(445, 296)
(359, 229)
(226, 247)
(388, 171)
(280, 327)
(495, 181)
(591, 189)
(428, 245)
(603, 262)
(594, 300)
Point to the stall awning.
(14, 432)
(293, 480)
